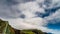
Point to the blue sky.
(28, 14)
(54, 26)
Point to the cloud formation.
(28, 14)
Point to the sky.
(32, 14)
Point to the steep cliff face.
(5, 28)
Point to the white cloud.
(26, 23)
(52, 31)
(30, 8)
